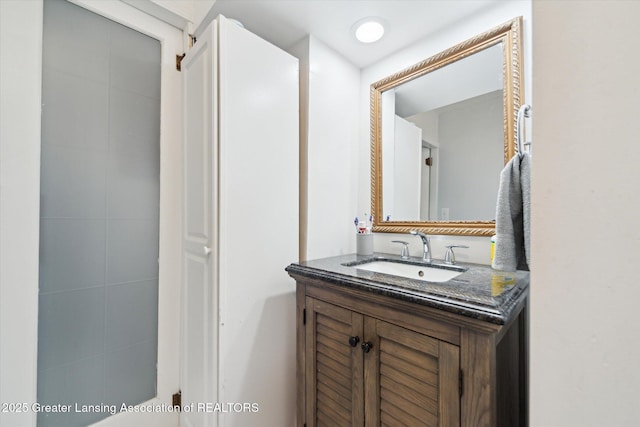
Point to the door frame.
(20, 192)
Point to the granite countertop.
(479, 292)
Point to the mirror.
(441, 132)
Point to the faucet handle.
(449, 256)
(404, 252)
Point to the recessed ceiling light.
(368, 30)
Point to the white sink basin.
(417, 272)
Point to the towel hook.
(524, 111)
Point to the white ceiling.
(285, 22)
(467, 78)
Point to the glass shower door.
(100, 204)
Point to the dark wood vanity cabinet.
(372, 360)
(361, 368)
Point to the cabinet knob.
(366, 346)
(353, 341)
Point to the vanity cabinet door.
(410, 379)
(334, 371)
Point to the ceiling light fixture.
(368, 30)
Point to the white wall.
(471, 137)
(500, 13)
(197, 12)
(186, 9)
(586, 197)
(20, 83)
(201, 9)
(193, 16)
(301, 51)
(428, 122)
(331, 141)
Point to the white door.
(157, 412)
(240, 193)
(406, 178)
(258, 196)
(199, 237)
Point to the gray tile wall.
(100, 190)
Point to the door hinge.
(176, 400)
(304, 316)
(179, 59)
(460, 384)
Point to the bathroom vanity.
(381, 349)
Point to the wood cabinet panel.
(401, 313)
(416, 370)
(333, 366)
(408, 380)
(398, 381)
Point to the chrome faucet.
(426, 245)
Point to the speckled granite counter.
(480, 292)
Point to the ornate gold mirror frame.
(509, 34)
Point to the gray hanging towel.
(512, 250)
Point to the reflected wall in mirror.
(442, 131)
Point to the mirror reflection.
(443, 141)
(441, 132)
